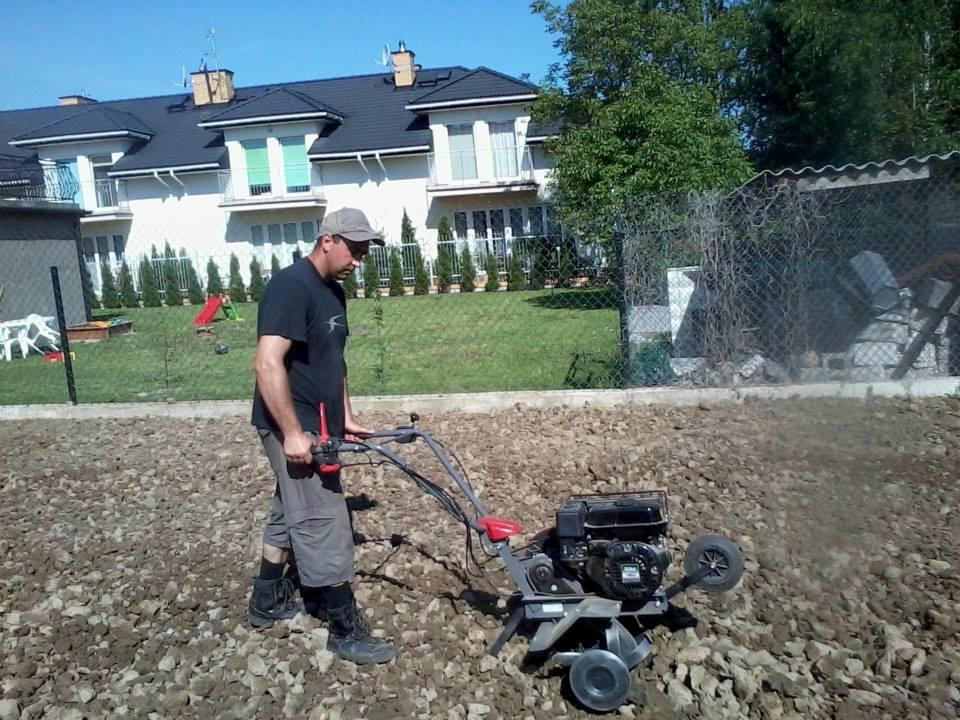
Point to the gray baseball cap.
(350, 224)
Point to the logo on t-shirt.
(334, 322)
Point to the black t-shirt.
(300, 305)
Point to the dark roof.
(479, 84)
(373, 108)
(279, 101)
(87, 121)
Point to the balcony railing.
(478, 168)
(23, 179)
(294, 185)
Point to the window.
(480, 223)
(496, 223)
(463, 156)
(259, 251)
(296, 168)
(460, 224)
(287, 241)
(553, 223)
(118, 245)
(516, 222)
(535, 214)
(503, 140)
(258, 167)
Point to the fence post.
(64, 340)
(621, 275)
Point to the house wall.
(31, 241)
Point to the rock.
(693, 655)
(917, 663)
(744, 683)
(9, 709)
(324, 659)
(939, 566)
(865, 697)
(167, 663)
(255, 665)
(477, 710)
(86, 693)
(680, 696)
(488, 663)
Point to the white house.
(250, 171)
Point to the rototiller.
(589, 587)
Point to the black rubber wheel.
(600, 680)
(721, 556)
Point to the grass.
(428, 344)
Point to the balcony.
(25, 179)
(105, 199)
(480, 171)
(239, 194)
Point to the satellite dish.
(384, 56)
(183, 77)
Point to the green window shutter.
(258, 166)
(296, 171)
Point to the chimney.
(75, 100)
(404, 69)
(212, 86)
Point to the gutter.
(380, 163)
(179, 181)
(360, 160)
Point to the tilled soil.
(127, 550)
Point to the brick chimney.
(404, 69)
(75, 100)
(212, 86)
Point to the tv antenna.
(211, 38)
(384, 59)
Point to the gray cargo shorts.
(309, 515)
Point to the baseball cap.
(350, 224)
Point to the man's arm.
(274, 388)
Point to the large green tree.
(832, 81)
(638, 100)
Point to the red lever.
(498, 529)
(324, 440)
(324, 435)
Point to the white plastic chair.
(37, 325)
(6, 342)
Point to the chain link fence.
(787, 279)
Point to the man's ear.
(324, 241)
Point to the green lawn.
(430, 344)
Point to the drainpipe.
(179, 181)
(380, 163)
(156, 174)
(360, 160)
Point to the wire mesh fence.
(785, 280)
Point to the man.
(299, 365)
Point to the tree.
(149, 291)
(274, 264)
(515, 278)
(445, 254)
(638, 97)
(109, 296)
(421, 278)
(86, 284)
(194, 289)
(214, 283)
(256, 281)
(540, 263)
(371, 277)
(171, 277)
(238, 293)
(128, 293)
(395, 264)
(491, 267)
(828, 81)
(567, 263)
(468, 273)
(350, 285)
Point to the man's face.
(345, 256)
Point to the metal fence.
(781, 281)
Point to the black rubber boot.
(350, 637)
(272, 600)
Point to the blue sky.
(112, 50)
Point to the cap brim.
(359, 236)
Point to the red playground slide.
(209, 311)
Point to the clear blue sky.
(112, 50)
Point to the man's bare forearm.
(275, 391)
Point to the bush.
(371, 277)
(256, 281)
(349, 285)
(396, 272)
(109, 296)
(89, 297)
(568, 263)
(650, 364)
(194, 289)
(540, 264)
(214, 283)
(128, 293)
(274, 265)
(149, 291)
(468, 273)
(171, 278)
(421, 279)
(515, 274)
(444, 256)
(492, 269)
(238, 293)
